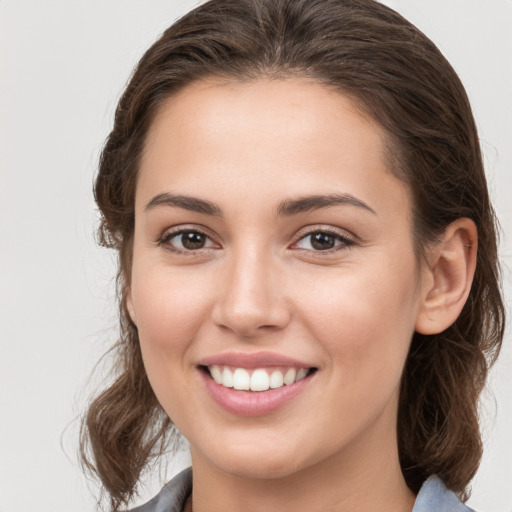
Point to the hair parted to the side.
(397, 77)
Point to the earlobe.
(447, 280)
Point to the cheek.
(170, 310)
(364, 317)
(167, 304)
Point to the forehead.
(286, 110)
(268, 136)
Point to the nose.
(251, 301)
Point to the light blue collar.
(435, 497)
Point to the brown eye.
(193, 240)
(323, 241)
(186, 240)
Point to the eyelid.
(172, 232)
(315, 228)
(349, 239)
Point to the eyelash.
(346, 242)
(164, 240)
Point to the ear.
(129, 306)
(447, 277)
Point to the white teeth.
(301, 374)
(260, 380)
(227, 378)
(276, 379)
(289, 377)
(216, 374)
(241, 379)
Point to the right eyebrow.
(186, 202)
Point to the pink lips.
(250, 403)
(255, 360)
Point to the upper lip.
(253, 360)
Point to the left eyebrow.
(309, 203)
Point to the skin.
(259, 284)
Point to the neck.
(344, 482)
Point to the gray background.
(63, 65)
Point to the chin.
(273, 469)
(250, 461)
(256, 461)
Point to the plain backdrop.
(63, 66)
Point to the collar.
(435, 497)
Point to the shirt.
(433, 497)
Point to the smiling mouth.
(257, 379)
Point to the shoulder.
(172, 497)
(435, 497)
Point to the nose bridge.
(251, 298)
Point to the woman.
(296, 193)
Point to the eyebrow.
(316, 202)
(186, 202)
(286, 208)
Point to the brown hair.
(399, 78)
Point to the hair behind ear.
(438, 427)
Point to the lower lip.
(253, 403)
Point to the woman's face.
(273, 243)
